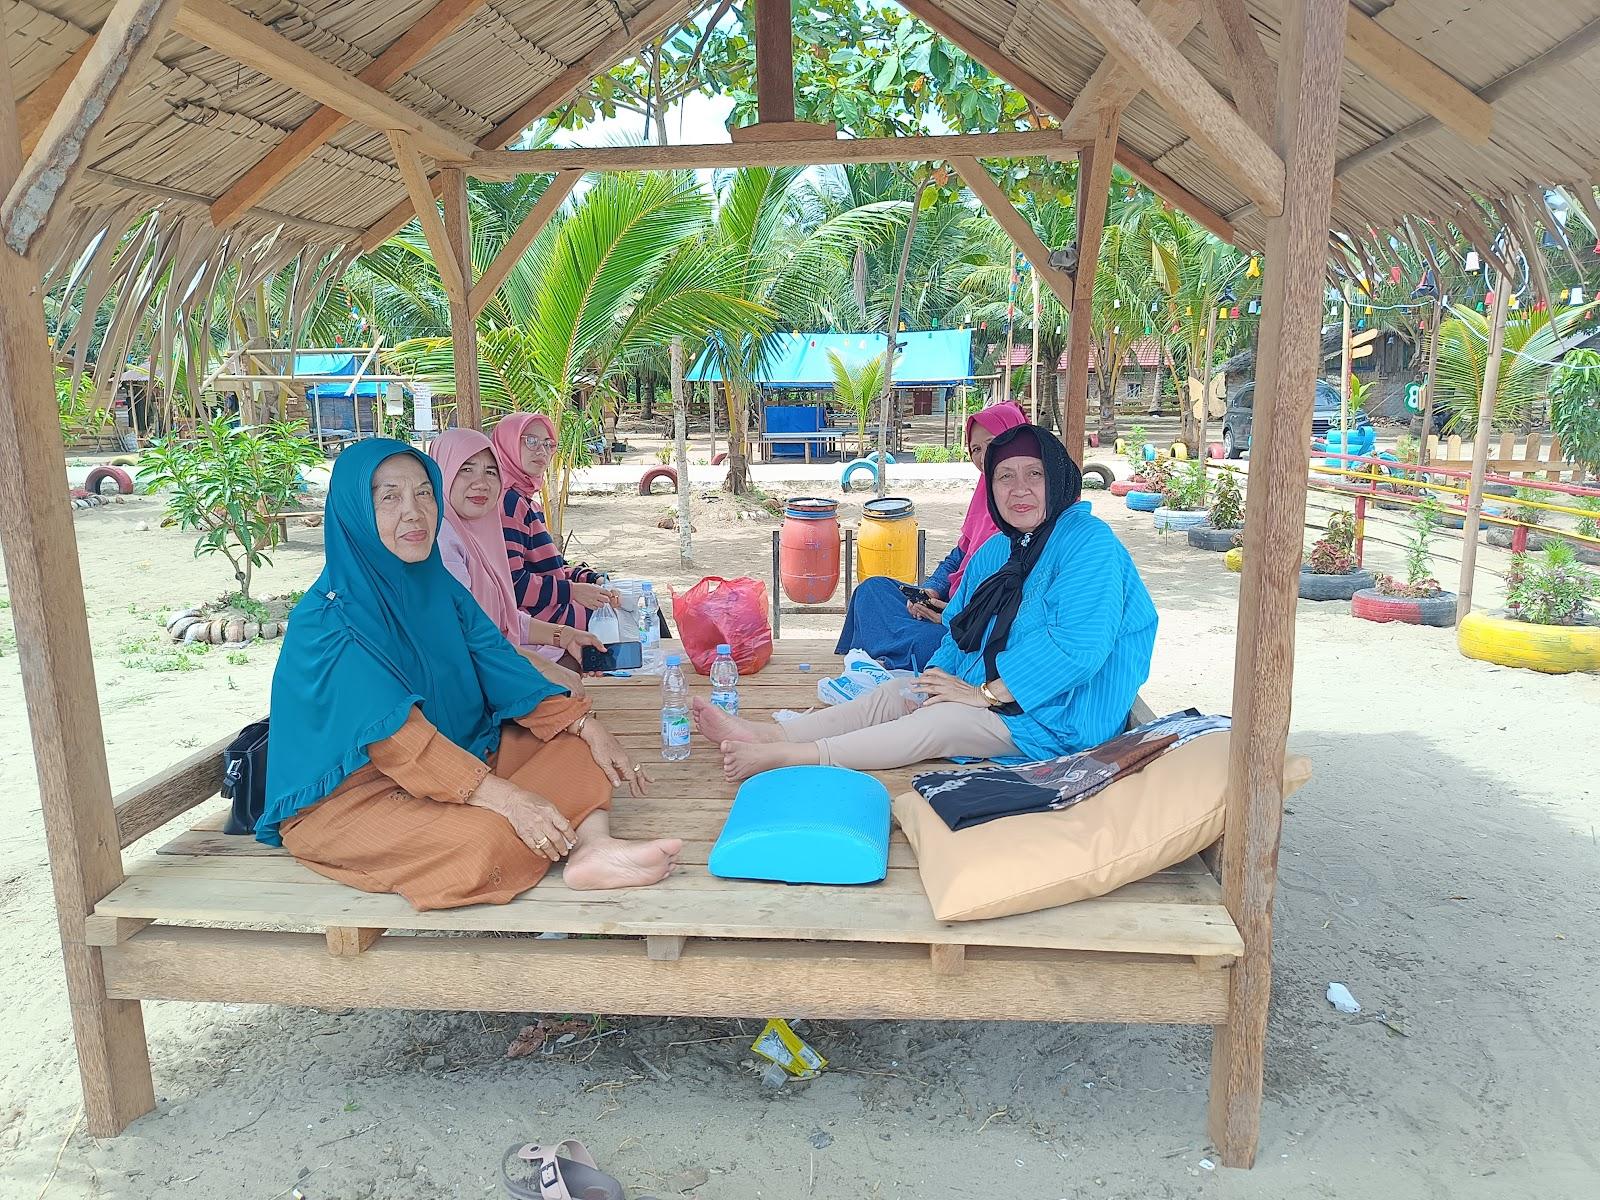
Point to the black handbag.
(244, 778)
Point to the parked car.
(1237, 420)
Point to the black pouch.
(244, 778)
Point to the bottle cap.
(674, 660)
(647, 587)
(724, 648)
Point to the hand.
(537, 822)
(554, 672)
(592, 595)
(928, 610)
(943, 688)
(574, 640)
(612, 758)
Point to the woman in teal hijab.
(407, 732)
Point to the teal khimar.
(373, 637)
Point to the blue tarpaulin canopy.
(334, 364)
(928, 358)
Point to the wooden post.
(463, 328)
(1344, 377)
(1480, 444)
(774, 62)
(893, 335)
(41, 553)
(1205, 382)
(1094, 188)
(680, 440)
(1427, 384)
(1033, 376)
(1289, 359)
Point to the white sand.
(1441, 863)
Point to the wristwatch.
(987, 694)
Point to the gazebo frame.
(1276, 144)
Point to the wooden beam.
(347, 941)
(1416, 80)
(517, 244)
(34, 113)
(1251, 76)
(463, 328)
(1186, 96)
(774, 60)
(1051, 102)
(784, 131)
(1094, 188)
(432, 28)
(1289, 360)
(415, 178)
(998, 205)
(46, 589)
(223, 28)
(1026, 143)
(170, 793)
(946, 959)
(43, 185)
(664, 948)
(1114, 86)
(649, 22)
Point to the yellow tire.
(1179, 451)
(1121, 446)
(1234, 559)
(1553, 649)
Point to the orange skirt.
(374, 836)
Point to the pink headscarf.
(507, 442)
(488, 572)
(979, 526)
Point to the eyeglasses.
(534, 443)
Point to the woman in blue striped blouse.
(1048, 640)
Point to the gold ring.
(541, 843)
(636, 770)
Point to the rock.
(270, 629)
(434, 1062)
(687, 1180)
(233, 632)
(820, 1140)
(252, 630)
(142, 526)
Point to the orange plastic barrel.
(887, 542)
(808, 549)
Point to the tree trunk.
(1107, 428)
(649, 396)
(738, 481)
(1049, 389)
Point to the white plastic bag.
(862, 673)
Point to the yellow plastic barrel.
(887, 541)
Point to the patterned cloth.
(966, 798)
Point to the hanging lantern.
(1369, 310)
(1116, 304)
(1154, 306)
(1058, 330)
(983, 324)
(902, 326)
(1254, 270)
(1576, 297)
(1480, 305)
(393, 400)
(1188, 310)
(1394, 274)
(1234, 312)
(1472, 263)
(1513, 303)
(1116, 330)
(1222, 313)
(1255, 308)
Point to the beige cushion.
(1139, 825)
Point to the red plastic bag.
(717, 610)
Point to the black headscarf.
(999, 596)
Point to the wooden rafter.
(1250, 74)
(463, 328)
(219, 26)
(1026, 143)
(1094, 186)
(521, 238)
(1416, 80)
(127, 40)
(1113, 86)
(998, 205)
(34, 112)
(415, 177)
(1052, 103)
(649, 22)
(1186, 95)
(432, 28)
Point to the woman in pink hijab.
(473, 549)
(903, 634)
(545, 587)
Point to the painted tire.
(1553, 649)
(1097, 471)
(1372, 605)
(1234, 559)
(117, 476)
(1178, 451)
(1333, 587)
(1499, 535)
(1148, 452)
(1204, 537)
(1177, 519)
(720, 457)
(1144, 501)
(670, 474)
(1216, 450)
(125, 460)
(850, 469)
(1503, 490)
(1094, 440)
(1120, 445)
(873, 458)
(1122, 487)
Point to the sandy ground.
(1441, 863)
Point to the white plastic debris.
(1339, 996)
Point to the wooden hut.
(313, 129)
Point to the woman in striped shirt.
(547, 589)
(1048, 641)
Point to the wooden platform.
(1154, 951)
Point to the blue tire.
(850, 469)
(1144, 501)
(873, 457)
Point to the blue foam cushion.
(806, 825)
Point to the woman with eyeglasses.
(547, 589)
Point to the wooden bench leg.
(345, 941)
(661, 948)
(947, 959)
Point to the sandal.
(565, 1172)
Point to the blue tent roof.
(927, 357)
(333, 364)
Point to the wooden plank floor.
(206, 877)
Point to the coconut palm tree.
(1532, 344)
(857, 390)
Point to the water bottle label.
(728, 702)
(674, 728)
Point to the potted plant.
(1132, 449)
(1223, 527)
(1329, 571)
(1183, 497)
(1419, 599)
(1151, 493)
(1548, 624)
(1523, 513)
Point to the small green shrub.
(1523, 512)
(1227, 503)
(1555, 592)
(1134, 450)
(1185, 487)
(1419, 582)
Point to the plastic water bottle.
(674, 711)
(725, 681)
(649, 617)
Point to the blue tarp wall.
(329, 399)
(928, 358)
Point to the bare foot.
(740, 760)
(719, 726)
(613, 863)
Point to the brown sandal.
(566, 1171)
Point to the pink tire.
(1122, 487)
(117, 475)
(670, 474)
(1216, 450)
(719, 458)
(1372, 605)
